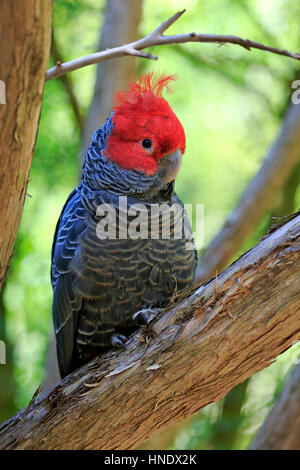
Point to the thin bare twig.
(156, 38)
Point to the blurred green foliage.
(230, 102)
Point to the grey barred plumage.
(99, 284)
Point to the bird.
(112, 266)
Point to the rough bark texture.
(25, 34)
(281, 428)
(208, 343)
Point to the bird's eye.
(147, 143)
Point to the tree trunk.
(25, 36)
(193, 355)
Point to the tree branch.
(193, 355)
(258, 198)
(156, 38)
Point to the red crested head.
(145, 127)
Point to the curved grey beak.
(169, 166)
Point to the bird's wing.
(66, 305)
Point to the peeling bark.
(193, 355)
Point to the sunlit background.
(231, 103)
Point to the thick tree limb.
(156, 38)
(281, 428)
(202, 348)
(281, 160)
(25, 36)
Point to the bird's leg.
(118, 341)
(146, 315)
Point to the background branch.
(258, 198)
(156, 38)
(197, 352)
(281, 428)
(57, 57)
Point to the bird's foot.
(146, 315)
(118, 341)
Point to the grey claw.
(118, 341)
(146, 315)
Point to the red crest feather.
(144, 93)
(142, 113)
